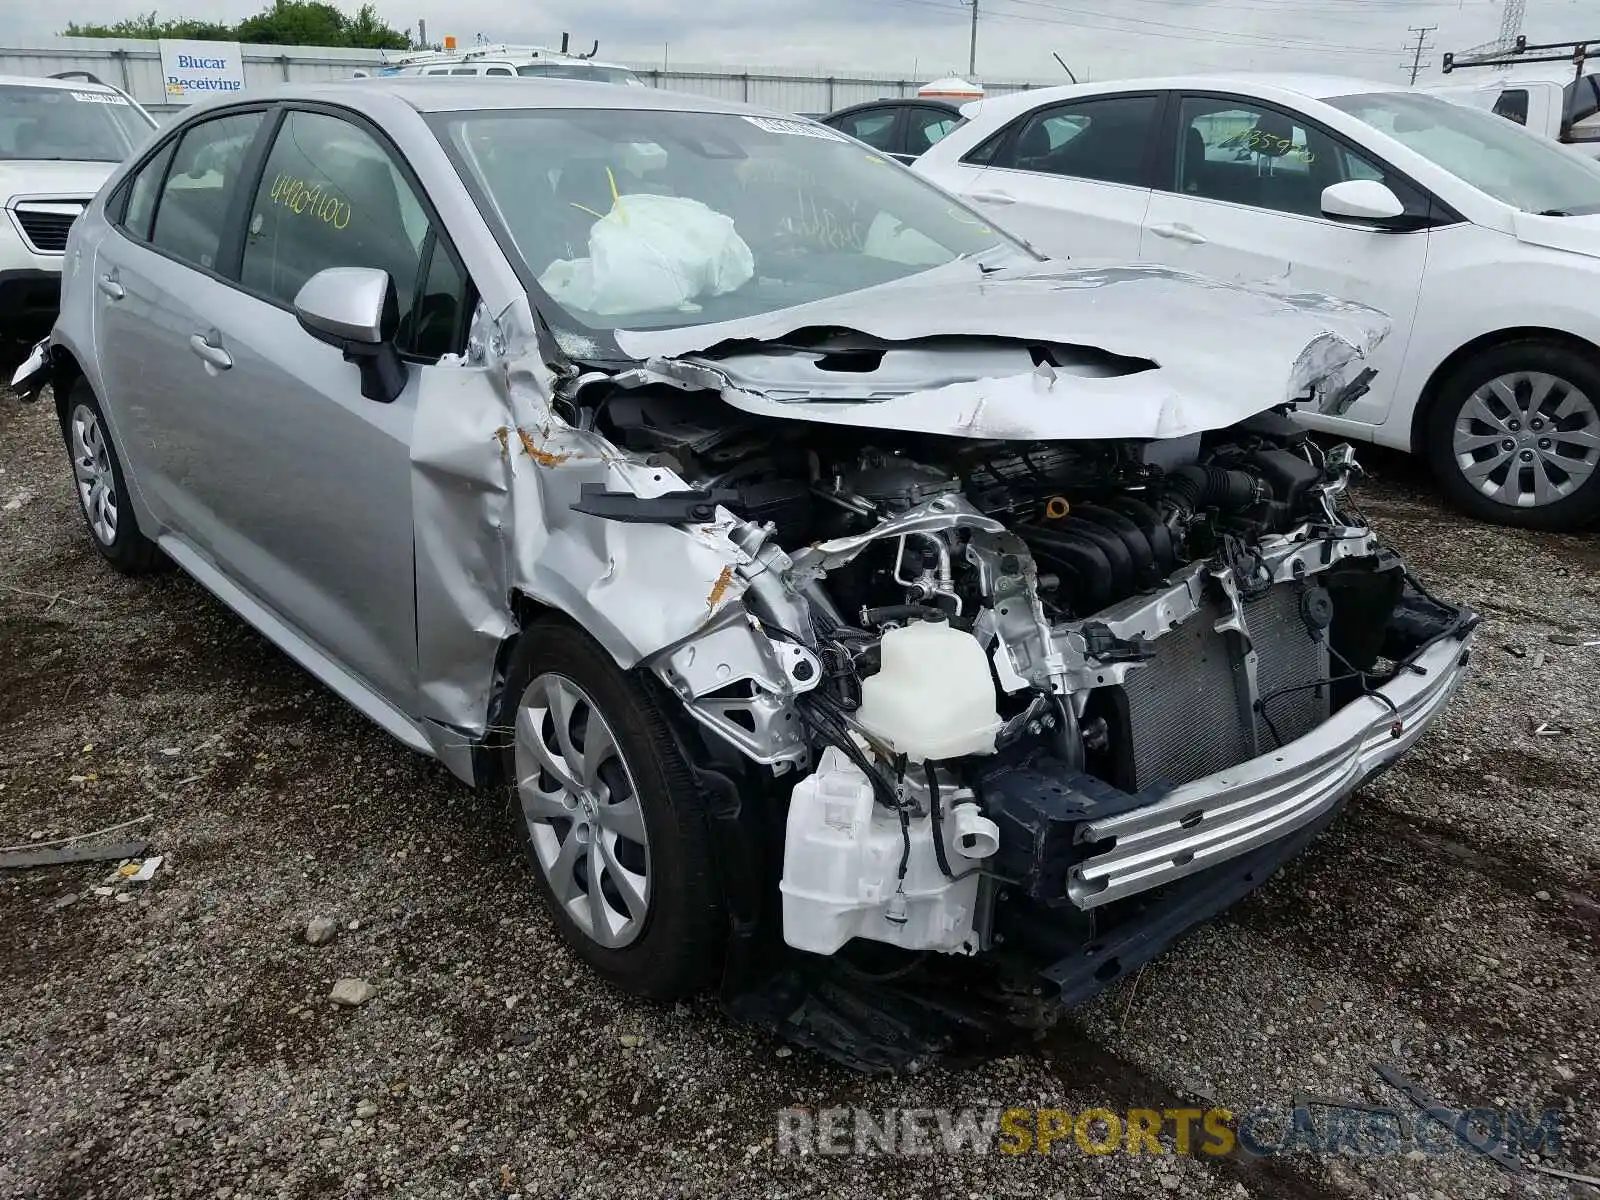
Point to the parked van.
(527, 61)
(1548, 101)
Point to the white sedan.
(1480, 239)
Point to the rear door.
(1242, 201)
(1072, 178)
(160, 288)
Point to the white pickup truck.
(1551, 102)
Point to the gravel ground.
(176, 1039)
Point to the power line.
(1240, 38)
(1422, 31)
(1189, 31)
(1063, 15)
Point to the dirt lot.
(180, 1043)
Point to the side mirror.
(1364, 200)
(354, 309)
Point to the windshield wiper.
(1555, 212)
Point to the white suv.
(59, 139)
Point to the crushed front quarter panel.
(495, 472)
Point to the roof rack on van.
(1576, 53)
(1579, 54)
(483, 50)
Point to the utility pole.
(972, 53)
(1422, 31)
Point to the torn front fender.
(495, 474)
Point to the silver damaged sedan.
(904, 633)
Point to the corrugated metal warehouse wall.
(135, 66)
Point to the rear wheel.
(102, 488)
(1515, 435)
(610, 818)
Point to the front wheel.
(1515, 435)
(609, 815)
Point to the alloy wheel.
(583, 812)
(91, 468)
(1527, 439)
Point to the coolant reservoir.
(934, 697)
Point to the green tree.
(367, 29)
(282, 23)
(295, 23)
(146, 26)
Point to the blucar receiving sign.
(199, 70)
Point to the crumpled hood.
(1205, 354)
(1579, 235)
(78, 179)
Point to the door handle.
(203, 344)
(1179, 233)
(992, 197)
(108, 284)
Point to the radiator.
(1185, 717)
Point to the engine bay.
(973, 676)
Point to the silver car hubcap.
(1527, 439)
(582, 808)
(91, 466)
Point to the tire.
(663, 939)
(102, 487)
(1499, 411)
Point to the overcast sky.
(1100, 39)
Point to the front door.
(1244, 204)
(316, 479)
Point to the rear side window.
(143, 191)
(193, 203)
(926, 126)
(332, 196)
(499, 71)
(875, 127)
(1102, 139)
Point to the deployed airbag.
(652, 254)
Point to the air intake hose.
(1193, 488)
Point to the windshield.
(1489, 152)
(564, 70)
(640, 219)
(62, 123)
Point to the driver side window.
(1242, 153)
(332, 196)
